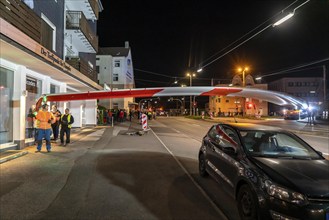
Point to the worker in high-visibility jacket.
(66, 122)
(44, 120)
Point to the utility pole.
(324, 84)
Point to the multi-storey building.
(45, 47)
(115, 71)
(228, 106)
(310, 89)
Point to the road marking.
(175, 130)
(221, 214)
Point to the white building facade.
(34, 60)
(115, 71)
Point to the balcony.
(82, 66)
(79, 32)
(89, 8)
(22, 17)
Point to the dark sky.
(171, 37)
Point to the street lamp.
(243, 70)
(191, 75)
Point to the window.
(29, 3)
(48, 33)
(219, 100)
(298, 84)
(34, 88)
(97, 69)
(290, 84)
(117, 63)
(213, 134)
(227, 100)
(54, 88)
(6, 109)
(97, 58)
(115, 77)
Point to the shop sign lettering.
(53, 58)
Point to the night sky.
(169, 38)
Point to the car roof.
(249, 126)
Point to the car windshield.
(276, 144)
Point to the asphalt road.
(107, 174)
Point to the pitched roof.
(114, 51)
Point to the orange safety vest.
(43, 118)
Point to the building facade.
(115, 71)
(310, 89)
(39, 39)
(229, 106)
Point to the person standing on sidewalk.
(66, 122)
(55, 125)
(44, 118)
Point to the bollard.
(144, 122)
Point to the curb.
(13, 156)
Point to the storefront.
(28, 70)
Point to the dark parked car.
(271, 173)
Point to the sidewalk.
(8, 155)
(76, 134)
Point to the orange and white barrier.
(144, 122)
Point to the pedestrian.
(30, 123)
(109, 116)
(66, 122)
(55, 126)
(35, 124)
(44, 118)
(121, 115)
(130, 115)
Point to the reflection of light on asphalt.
(273, 161)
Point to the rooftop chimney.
(126, 44)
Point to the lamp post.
(243, 71)
(191, 75)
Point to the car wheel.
(202, 166)
(247, 203)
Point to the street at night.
(108, 174)
(169, 110)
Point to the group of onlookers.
(109, 116)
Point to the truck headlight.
(284, 194)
